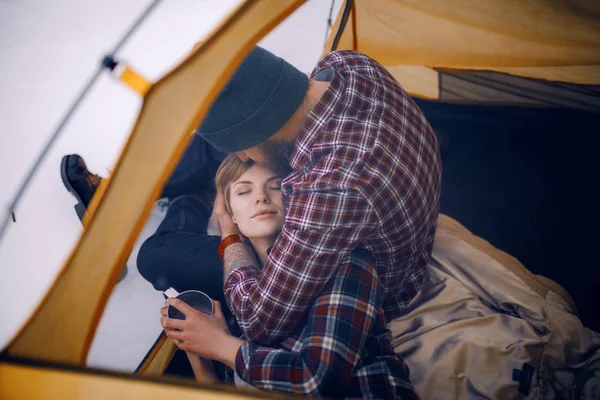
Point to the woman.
(327, 355)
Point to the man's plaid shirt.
(366, 173)
(342, 349)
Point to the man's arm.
(237, 255)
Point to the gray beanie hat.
(260, 98)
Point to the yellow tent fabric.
(18, 381)
(556, 40)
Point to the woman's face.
(256, 203)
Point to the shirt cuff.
(242, 361)
(241, 274)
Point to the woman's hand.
(203, 369)
(228, 227)
(205, 335)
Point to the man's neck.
(316, 90)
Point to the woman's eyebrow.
(242, 182)
(274, 177)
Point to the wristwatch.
(235, 238)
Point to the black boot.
(79, 181)
(82, 184)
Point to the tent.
(491, 60)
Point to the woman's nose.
(263, 199)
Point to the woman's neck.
(261, 245)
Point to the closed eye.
(275, 183)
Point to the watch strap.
(235, 238)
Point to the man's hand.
(225, 221)
(205, 335)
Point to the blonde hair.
(229, 171)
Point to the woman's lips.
(264, 214)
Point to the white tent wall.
(47, 52)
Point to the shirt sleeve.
(329, 348)
(324, 221)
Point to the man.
(366, 174)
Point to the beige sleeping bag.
(483, 326)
